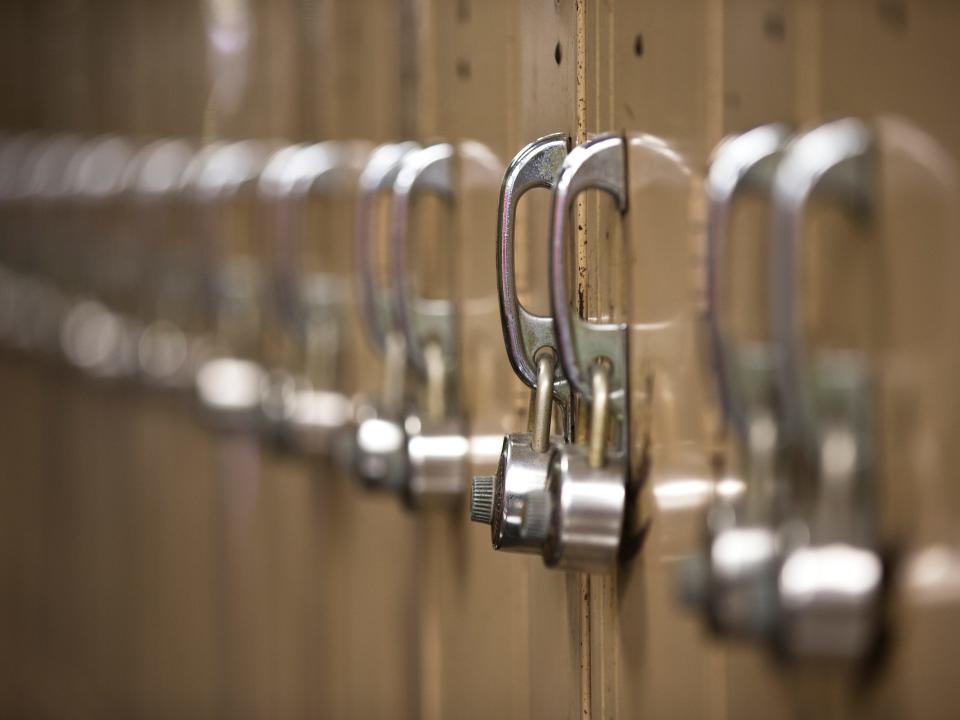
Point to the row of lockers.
(225, 360)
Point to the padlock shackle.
(738, 164)
(810, 160)
(598, 163)
(524, 333)
(543, 400)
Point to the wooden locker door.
(354, 80)
(676, 78)
(883, 62)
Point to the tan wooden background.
(152, 568)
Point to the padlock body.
(830, 601)
(588, 511)
(379, 454)
(439, 455)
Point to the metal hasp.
(733, 580)
(301, 407)
(831, 578)
(501, 500)
(228, 382)
(578, 519)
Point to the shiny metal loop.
(291, 175)
(431, 168)
(543, 400)
(740, 163)
(228, 387)
(599, 414)
(535, 166)
(377, 177)
(835, 159)
(598, 163)
(164, 355)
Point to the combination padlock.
(733, 581)
(501, 500)
(831, 579)
(304, 338)
(229, 381)
(578, 520)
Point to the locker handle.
(740, 163)
(377, 177)
(535, 166)
(420, 319)
(835, 160)
(598, 163)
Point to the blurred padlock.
(306, 310)
(222, 183)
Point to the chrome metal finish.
(377, 177)
(741, 163)
(587, 494)
(481, 499)
(97, 337)
(535, 166)
(379, 453)
(830, 582)
(598, 163)
(522, 471)
(420, 319)
(167, 354)
(543, 401)
(734, 580)
(437, 443)
(299, 411)
(586, 510)
(228, 387)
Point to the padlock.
(230, 381)
(831, 579)
(44, 256)
(378, 453)
(302, 408)
(578, 520)
(170, 344)
(500, 500)
(733, 581)
(436, 441)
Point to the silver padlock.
(302, 408)
(733, 581)
(170, 344)
(45, 254)
(229, 382)
(831, 580)
(579, 519)
(500, 500)
(437, 446)
(378, 453)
